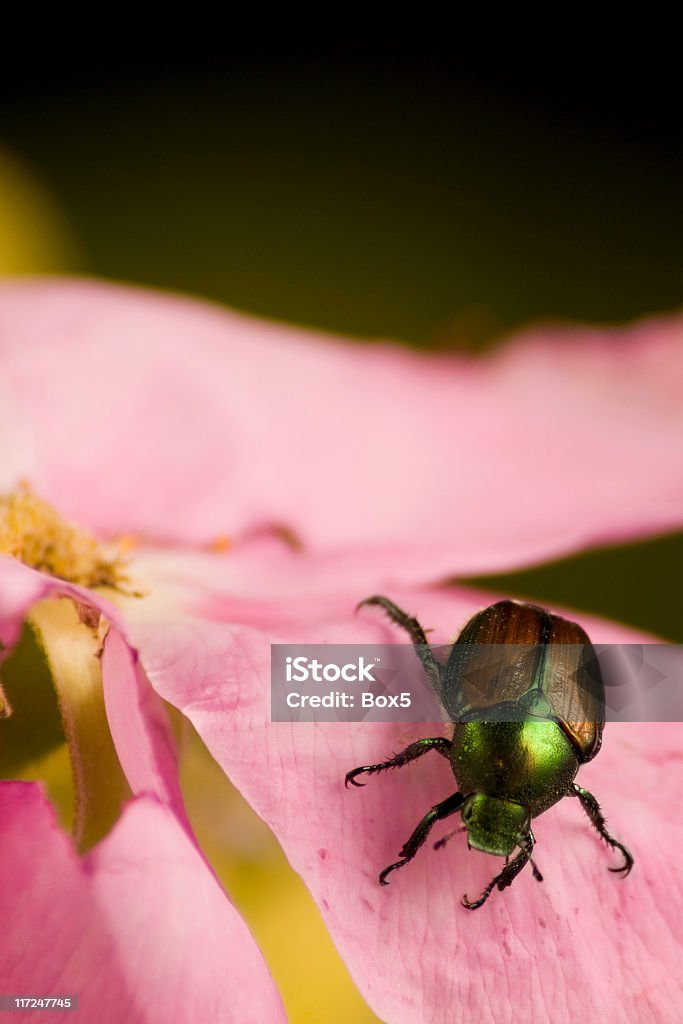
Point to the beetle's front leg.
(507, 875)
(410, 848)
(415, 632)
(592, 809)
(440, 843)
(413, 751)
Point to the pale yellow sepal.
(72, 649)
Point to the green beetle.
(512, 758)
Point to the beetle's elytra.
(507, 771)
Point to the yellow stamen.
(33, 532)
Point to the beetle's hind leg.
(597, 818)
(507, 875)
(413, 751)
(410, 848)
(415, 632)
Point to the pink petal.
(155, 415)
(137, 719)
(139, 726)
(139, 930)
(582, 946)
(21, 586)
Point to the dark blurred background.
(442, 191)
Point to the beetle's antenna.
(449, 835)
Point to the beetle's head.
(494, 825)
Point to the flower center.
(33, 532)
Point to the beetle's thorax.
(530, 762)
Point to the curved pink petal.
(139, 725)
(139, 930)
(531, 953)
(155, 415)
(136, 717)
(21, 586)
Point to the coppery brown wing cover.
(517, 659)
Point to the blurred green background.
(443, 198)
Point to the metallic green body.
(519, 767)
(530, 762)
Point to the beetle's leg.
(410, 848)
(592, 809)
(413, 751)
(534, 869)
(507, 875)
(416, 634)
(397, 615)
